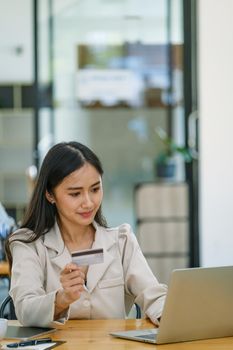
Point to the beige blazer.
(111, 289)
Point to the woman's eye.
(95, 189)
(75, 194)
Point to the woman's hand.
(72, 280)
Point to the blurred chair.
(138, 311)
(7, 309)
(135, 312)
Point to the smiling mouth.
(86, 214)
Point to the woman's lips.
(87, 214)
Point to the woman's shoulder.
(25, 243)
(124, 237)
(24, 235)
(121, 228)
(122, 231)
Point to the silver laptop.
(199, 305)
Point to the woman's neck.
(77, 238)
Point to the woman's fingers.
(76, 275)
(72, 280)
(66, 283)
(70, 267)
(72, 293)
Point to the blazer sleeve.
(33, 305)
(139, 280)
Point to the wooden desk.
(94, 335)
(4, 268)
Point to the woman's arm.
(139, 280)
(34, 305)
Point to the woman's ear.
(49, 197)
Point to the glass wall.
(16, 104)
(116, 75)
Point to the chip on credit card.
(88, 256)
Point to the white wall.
(216, 131)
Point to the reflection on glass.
(127, 75)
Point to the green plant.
(171, 148)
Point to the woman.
(64, 215)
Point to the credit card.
(88, 257)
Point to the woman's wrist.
(61, 303)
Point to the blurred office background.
(108, 73)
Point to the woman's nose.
(87, 202)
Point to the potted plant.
(165, 163)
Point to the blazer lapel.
(58, 253)
(60, 256)
(96, 271)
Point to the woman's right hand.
(72, 280)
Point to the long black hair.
(60, 161)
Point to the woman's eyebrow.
(96, 183)
(79, 188)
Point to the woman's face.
(79, 196)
